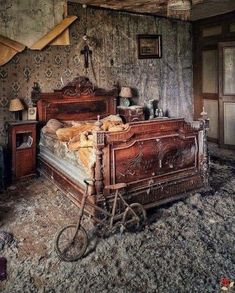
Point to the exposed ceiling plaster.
(159, 7)
(27, 21)
(212, 8)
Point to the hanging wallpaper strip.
(8, 49)
(54, 33)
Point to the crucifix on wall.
(86, 52)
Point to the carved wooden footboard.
(159, 160)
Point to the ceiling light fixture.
(179, 9)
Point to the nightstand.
(131, 114)
(4, 167)
(22, 145)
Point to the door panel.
(229, 71)
(212, 109)
(210, 71)
(229, 123)
(210, 89)
(227, 94)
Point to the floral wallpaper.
(112, 37)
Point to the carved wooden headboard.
(78, 100)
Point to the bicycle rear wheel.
(70, 244)
(134, 217)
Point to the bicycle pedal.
(122, 229)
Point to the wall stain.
(112, 36)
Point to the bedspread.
(74, 142)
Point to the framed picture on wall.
(32, 113)
(149, 46)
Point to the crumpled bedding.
(74, 141)
(51, 143)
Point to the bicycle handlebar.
(87, 180)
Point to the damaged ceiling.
(27, 21)
(200, 8)
(49, 24)
(18, 29)
(211, 8)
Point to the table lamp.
(16, 106)
(125, 94)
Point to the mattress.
(57, 154)
(69, 145)
(52, 145)
(76, 173)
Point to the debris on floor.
(189, 245)
(5, 239)
(3, 268)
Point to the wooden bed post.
(99, 144)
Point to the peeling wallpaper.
(17, 23)
(112, 37)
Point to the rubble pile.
(188, 246)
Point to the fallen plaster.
(187, 247)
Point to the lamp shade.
(125, 92)
(16, 105)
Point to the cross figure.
(86, 52)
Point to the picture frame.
(32, 113)
(149, 46)
(25, 115)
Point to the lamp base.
(18, 115)
(124, 102)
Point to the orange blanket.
(79, 138)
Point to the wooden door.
(227, 94)
(210, 89)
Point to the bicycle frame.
(111, 215)
(66, 242)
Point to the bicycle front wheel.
(70, 243)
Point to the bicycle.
(72, 241)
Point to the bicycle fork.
(81, 212)
(113, 209)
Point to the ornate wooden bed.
(160, 159)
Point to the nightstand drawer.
(25, 162)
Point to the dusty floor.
(188, 247)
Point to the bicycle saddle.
(116, 186)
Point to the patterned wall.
(114, 57)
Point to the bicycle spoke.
(71, 243)
(134, 216)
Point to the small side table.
(4, 167)
(22, 145)
(131, 114)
